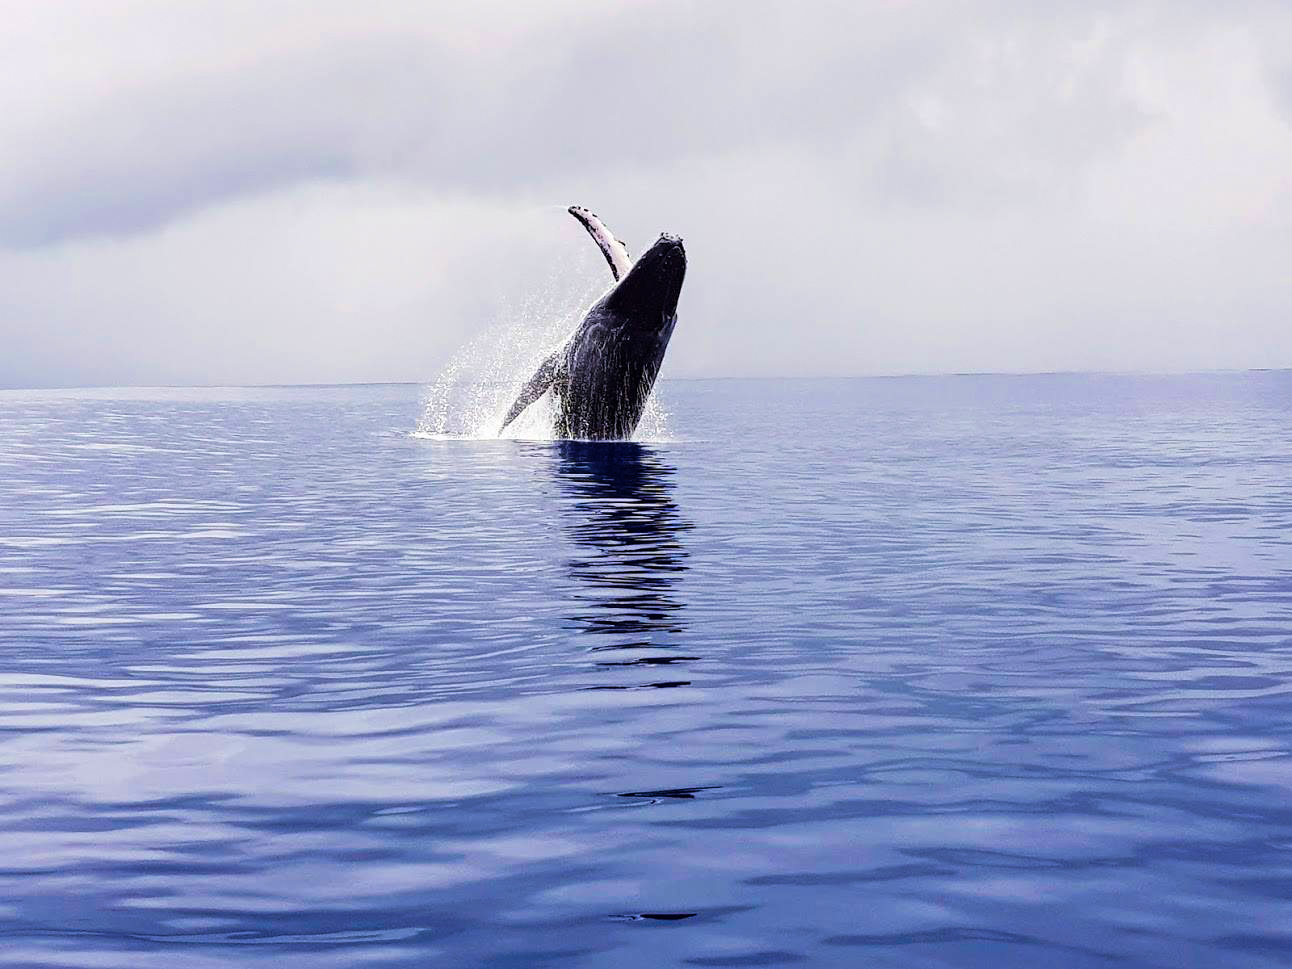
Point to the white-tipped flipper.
(536, 386)
(616, 252)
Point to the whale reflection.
(627, 533)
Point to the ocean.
(967, 671)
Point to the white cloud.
(239, 192)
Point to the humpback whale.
(603, 374)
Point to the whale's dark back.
(612, 361)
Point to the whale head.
(646, 298)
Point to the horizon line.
(925, 375)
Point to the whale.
(602, 376)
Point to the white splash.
(470, 397)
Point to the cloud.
(235, 192)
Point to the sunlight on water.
(470, 396)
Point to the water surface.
(964, 671)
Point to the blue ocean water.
(925, 672)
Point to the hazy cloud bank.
(249, 192)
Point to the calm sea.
(944, 672)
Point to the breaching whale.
(602, 376)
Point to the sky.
(242, 191)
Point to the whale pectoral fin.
(616, 252)
(535, 387)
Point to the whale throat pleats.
(616, 252)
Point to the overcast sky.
(249, 192)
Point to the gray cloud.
(329, 191)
